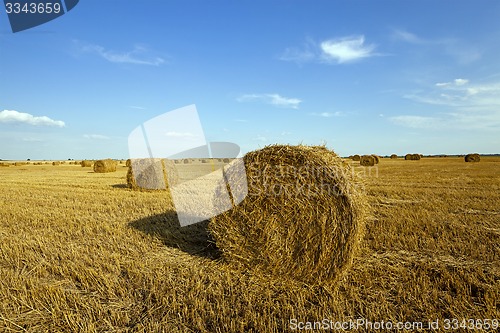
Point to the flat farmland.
(80, 252)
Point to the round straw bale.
(472, 157)
(152, 174)
(103, 166)
(367, 160)
(4, 164)
(356, 158)
(394, 156)
(186, 161)
(412, 157)
(376, 158)
(225, 160)
(86, 164)
(302, 218)
(56, 163)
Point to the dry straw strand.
(104, 166)
(303, 216)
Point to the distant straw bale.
(475, 157)
(302, 218)
(56, 163)
(376, 158)
(356, 158)
(412, 157)
(367, 160)
(86, 164)
(151, 174)
(225, 160)
(186, 161)
(394, 156)
(104, 166)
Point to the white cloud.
(463, 105)
(456, 82)
(139, 55)
(273, 99)
(337, 50)
(416, 121)
(136, 107)
(346, 49)
(407, 37)
(327, 114)
(460, 93)
(95, 136)
(463, 52)
(11, 116)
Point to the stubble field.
(80, 252)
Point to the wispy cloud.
(462, 51)
(456, 82)
(136, 107)
(346, 49)
(464, 105)
(327, 114)
(95, 137)
(139, 55)
(332, 51)
(15, 117)
(408, 37)
(460, 93)
(413, 121)
(273, 99)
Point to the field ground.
(80, 252)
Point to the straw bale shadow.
(194, 239)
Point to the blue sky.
(361, 76)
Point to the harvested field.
(80, 252)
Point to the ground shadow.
(119, 186)
(194, 239)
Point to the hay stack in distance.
(475, 157)
(86, 164)
(394, 156)
(302, 218)
(376, 158)
(151, 174)
(56, 163)
(412, 157)
(103, 166)
(356, 158)
(367, 160)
